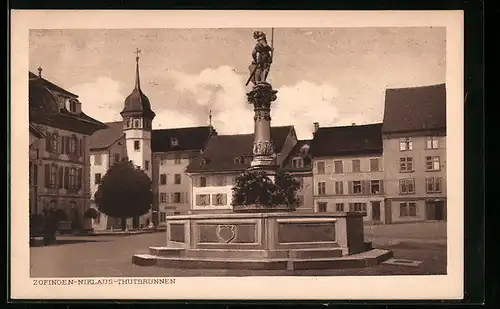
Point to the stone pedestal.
(264, 157)
(264, 241)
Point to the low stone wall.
(267, 232)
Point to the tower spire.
(210, 118)
(137, 80)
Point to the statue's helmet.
(259, 35)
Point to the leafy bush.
(124, 192)
(254, 187)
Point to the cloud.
(102, 98)
(222, 90)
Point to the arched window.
(72, 145)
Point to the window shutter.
(63, 144)
(349, 187)
(80, 181)
(198, 199)
(66, 178)
(381, 186)
(81, 148)
(48, 138)
(47, 175)
(67, 145)
(224, 199)
(60, 178)
(77, 147)
(186, 197)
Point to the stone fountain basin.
(270, 240)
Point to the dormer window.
(297, 162)
(238, 160)
(174, 141)
(204, 161)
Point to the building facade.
(348, 171)
(214, 173)
(414, 141)
(59, 160)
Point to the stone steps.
(365, 259)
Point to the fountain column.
(264, 157)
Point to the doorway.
(376, 211)
(439, 211)
(135, 222)
(435, 210)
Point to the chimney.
(316, 127)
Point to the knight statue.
(261, 59)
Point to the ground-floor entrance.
(435, 210)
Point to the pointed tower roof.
(137, 103)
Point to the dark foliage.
(91, 213)
(256, 188)
(124, 192)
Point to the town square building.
(348, 171)
(58, 152)
(414, 142)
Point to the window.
(433, 184)
(356, 187)
(407, 186)
(174, 141)
(163, 197)
(203, 181)
(375, 186)
(321, 188)
(356, 166)
(54, 142)
(407, 209)
(321, 167)
(405, 144)
(406, 164)
(339, 207)
(339, 187)
(163, 179)
(137, 146)
(97, 178)
(339, 167)
(357, 207)
(72, 106)
(202, 199)
(137, 123)
(163, 216)
(220, 199)
(176, 213)
(72, 146)
(177, 179)
(432, 163)
(297, 163)
(374, 165)
(322, 206)
(146, 165)
(431, 142)
(177, 197)
(72, 178)
(117, 157)
(53, 176)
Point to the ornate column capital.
(262, 95)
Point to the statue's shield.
(226, 233)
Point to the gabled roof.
(301, 149)
(347, 140)
(415, 109)
(194, 138)
(222, 150)
(105, 138)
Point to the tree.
(255, 187)
(124, 192)
(91, 213)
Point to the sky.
(333, 76)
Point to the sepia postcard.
(231, 155)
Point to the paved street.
(111, 256)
